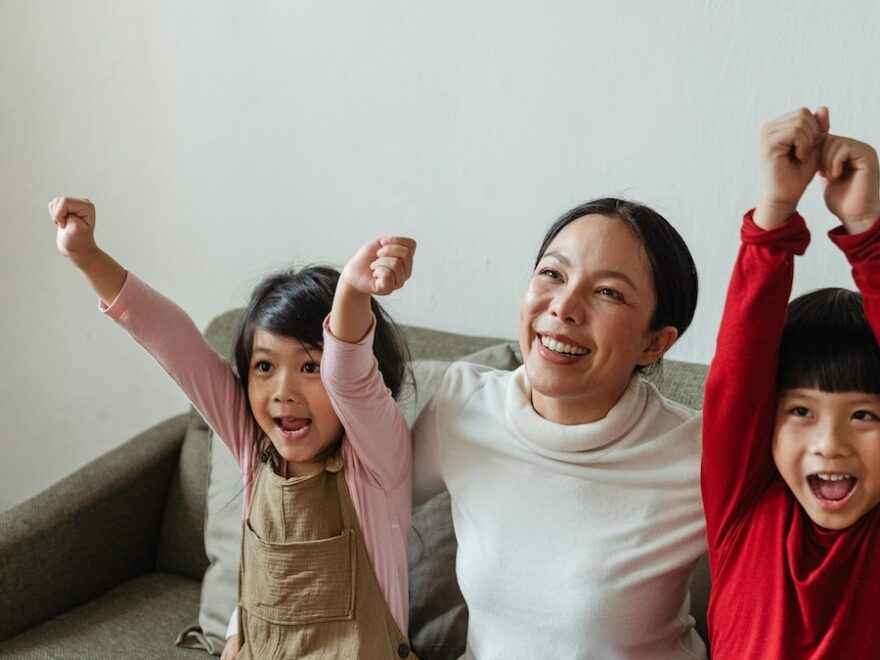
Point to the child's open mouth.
(293, 428)
(832, 489)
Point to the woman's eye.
(263, 367)
(311, 368)
(800, 411)
(865, 416)
(610, 293)
(549, 272)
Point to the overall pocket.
(299, 583)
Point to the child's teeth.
(826, 476)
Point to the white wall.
(223, 139)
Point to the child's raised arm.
(852, 193)
(852, 190)
(374, 426)
(159, 325)
(740, 402)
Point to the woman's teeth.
(560, 347)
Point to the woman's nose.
(567, 307)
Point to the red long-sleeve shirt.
(782, 587)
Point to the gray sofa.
(108, 562)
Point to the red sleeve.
(863, 253)
(740, 398)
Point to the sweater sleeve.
(740, 397)
(863, 253)
(170, 336)
(374, 426)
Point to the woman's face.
(585, 317)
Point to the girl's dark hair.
(294, 304)
(828, 345)
(672, 266)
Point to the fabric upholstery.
(135, 621)
(89, 532)
(223, 547)
(438, 617)
(182, 542)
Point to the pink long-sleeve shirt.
(376, 448)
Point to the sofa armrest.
(89, 532)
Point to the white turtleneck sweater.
(574, 541)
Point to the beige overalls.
(306, 585)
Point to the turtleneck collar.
(568, 443)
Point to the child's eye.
(865, 416)
(800, 411)
(311, 368)
(549, 272)
(608, 292)
(263, 367)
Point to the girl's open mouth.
(293, 428)
(831, 489)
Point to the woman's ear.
(660, 341)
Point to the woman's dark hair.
(828, 345)
(294, 304)
(672, 266)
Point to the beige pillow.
(223, 547)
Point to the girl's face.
(289, 401)
(827, 448)
(585, 318)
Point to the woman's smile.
(557, 352)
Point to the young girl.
(309, 414)
(791, 419)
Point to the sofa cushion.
(681, 382)
(137, 620)
(438, 616)
(223, 548)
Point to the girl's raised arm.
(160, 326)
(852, 193)
(374, 426)
(740, 395)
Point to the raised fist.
(852, 191)
(790, 151)
(381, 266)
(75, 219)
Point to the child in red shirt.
(791, 420)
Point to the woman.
(574, 484)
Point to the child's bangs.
(298, 306)
(828, 345)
